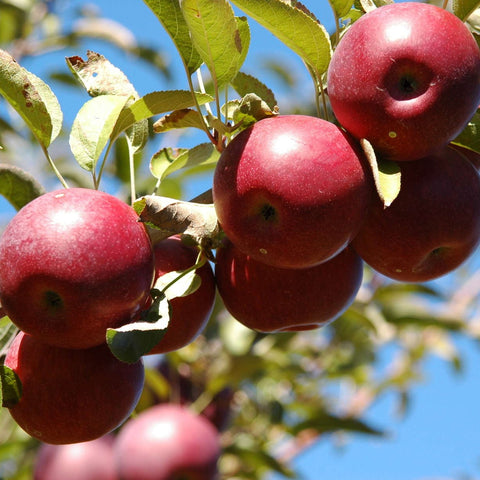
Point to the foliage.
(283, 387)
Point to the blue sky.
(439, 439)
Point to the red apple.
(167, 442)
(271, 299)
(431, 227)
(72, 263)
(189, 314)
(91, 460)
(71, 396)
(291, 191)
(405, 76)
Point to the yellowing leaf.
(386, 175)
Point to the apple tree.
(247, 321)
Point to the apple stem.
(53, 166)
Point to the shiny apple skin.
(270, 299)
(292, 191)
(432, 227)
(73, 263)
(406, 77)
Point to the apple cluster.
(73, 263)
(163, 442)
(296, 195)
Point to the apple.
(471, 155)
(91, 460)
(167, 442)
(73, 263)
(433, 225)
(406, 77)
(272, 299)
(71, 395)
(291, 191)
(189, 314)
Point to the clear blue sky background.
(440, 437)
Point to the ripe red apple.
(71, 396)
(406, 77)
(167, 442)
(189, 314)
(72, 263)
(291, 191)
(431, 227)
(271, 299)
(91, 460)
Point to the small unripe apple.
(71, 396)
(190, 313)
(405, 76)
(73, 263)
(291, 191)
(433, 225)
(167, 442)
(91, 460)
(271, 299)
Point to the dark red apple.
(73, 263)
(91, 460)
(406, 77)
(189, 314)
(271, 299)
(167, 442)
(71, 396)
(433, 225)
(291, 191)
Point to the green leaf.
(324, 422)
(163, 163)
(386, 174)
(93, 127)
(31, 98)
(250, 109)
(464, 8)
(245, 84)
(11, 387)
(137, 136)
(156, 103)
(171, 17)
(179, 283)
(295, 28)
(130, 342)
(99, 77)
(221, 40)
(18, 186)
(184, 118)
(341, 7)
(8, 331)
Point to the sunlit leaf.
(31, 98)
(245, 84)
(178, 283)
(170, 15)
(163, 163)
(341, 7)
(93, 126)
(18, 186)
(100, 77)
(156, 103)
(464, 8)
(184, 118)
(11, 387)
(221, 40)
(386, 174)
(296, 29)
